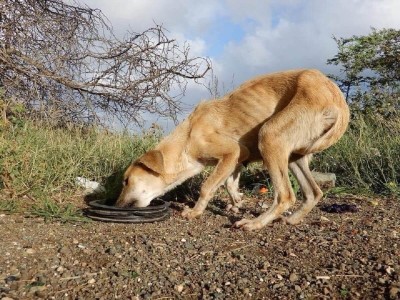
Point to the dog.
(281, 119)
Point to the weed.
(129, 274)
(43, 162)
(50, 210)
(8, 206)
(344, 293)
(366, 157)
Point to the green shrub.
(368, 155)
(43, 162)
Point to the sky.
(251, 37)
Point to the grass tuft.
(367, 157)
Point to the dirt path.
(330, 256)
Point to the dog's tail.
(337, 128)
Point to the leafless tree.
(64, 62)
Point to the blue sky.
(247, 38)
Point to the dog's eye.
(126, 181)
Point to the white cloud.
(276, 35)
(302, 36)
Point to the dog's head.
(143, 181)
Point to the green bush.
(40, 161)
(368, 155)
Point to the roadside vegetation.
(40, 159)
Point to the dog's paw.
(293, 219)
(232, 208)
(190, 213)
(248, 225)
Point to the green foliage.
(50, 210)
(371, 69)
(367, 156)
(8, 206)
(43, 162)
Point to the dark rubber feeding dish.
(158, 210)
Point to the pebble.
(324, 219)
(394, 292)
(278, 285)
(36, 289)
(91, 281)
(179, 288)
(293, 277)
(64, 250)
(389, 270)
(30, 251)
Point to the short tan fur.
(280, 119)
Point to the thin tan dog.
(281, 119)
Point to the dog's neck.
(186, 170)
(179, 165)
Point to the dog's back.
(241, 113)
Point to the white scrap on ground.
(90, 186)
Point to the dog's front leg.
(232, 186)
(226, 165)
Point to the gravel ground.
(330, 256)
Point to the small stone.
(64, 250)
(60, 269)
(179, 288)
(30, 251)
(36, 289)
(297, 288)
(278, 285)
(373, 202)
(7, 298)
(183, 240)
(394, 292)
(293, 277)
(346, 253)
(279, 276)
(219, 290)
(91, 281)
(389, 270)
(265, 265)
(75, 241)
(324, 219)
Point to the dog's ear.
(153, 160)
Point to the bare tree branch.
(64, 61)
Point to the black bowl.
(158, 210)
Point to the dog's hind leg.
(311, 191)
(229, 154)
(275, 150)
(232, 186)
